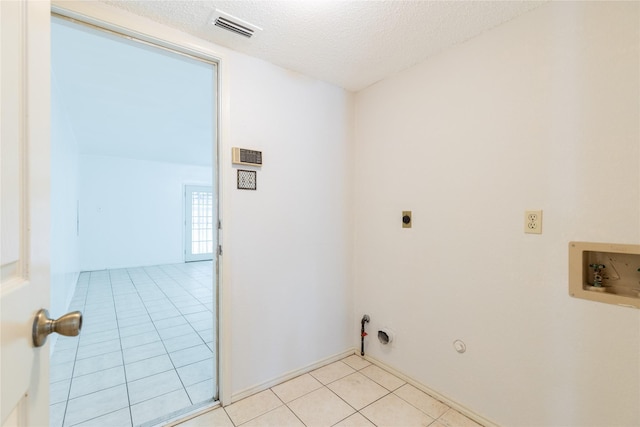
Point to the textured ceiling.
(352, 44)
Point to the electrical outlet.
(533, 222)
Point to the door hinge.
(219, 225)
(219, 250)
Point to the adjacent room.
(439, 197)
(133, 221)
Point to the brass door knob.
(68, 325)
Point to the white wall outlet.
(533, 222)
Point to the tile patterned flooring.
(348, 393)
(145, 354)
(145, 350)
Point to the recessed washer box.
(605, 272)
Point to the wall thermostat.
(242, 156)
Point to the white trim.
(190, 415)
(127, 24)
(118, 20)
(444, 399)
(290, 375)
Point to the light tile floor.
(145, 351)
(348, 393)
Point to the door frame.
(145, 30)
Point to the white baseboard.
(290, 375)
(444, 399)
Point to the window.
(200, 239)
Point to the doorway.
(133, 126)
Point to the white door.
(200, 240)
(24, 209)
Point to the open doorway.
(133, 127)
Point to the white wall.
(64, 196)
(539, 113)
(289, 244)
(132, 211)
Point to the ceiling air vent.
(233, 24)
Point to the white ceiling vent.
(231, 23)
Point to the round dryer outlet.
(460, 346)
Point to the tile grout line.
(435, 419)
(357, 410)
(153, 279)
(161, 340)
(360, 411)
(85, 289)
(96, 391)
(184, 387)
(182, 278)
(169, 297)
(228, 416)
(185, 289)
(291, 410)
(75, 359)
(124, 369)
(286, 405)
(99, 416)
(399, 397)
(277, 407)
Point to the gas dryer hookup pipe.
(365, 319)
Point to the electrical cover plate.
(533, 222)
(620, 276)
